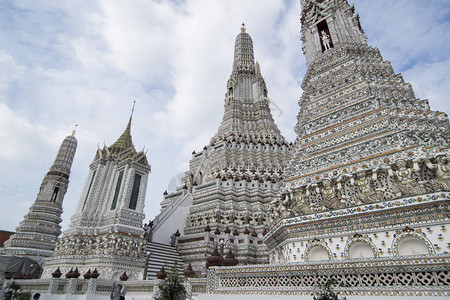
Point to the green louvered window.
(89, 189)
(135, 191)
(116, 192)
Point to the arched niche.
(360, 250)
(318, 253)
(412, 245)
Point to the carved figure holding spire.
(367, 192)
(405, 184)
(442, 171)
(280, 208)
(330, 199)
(301, 206)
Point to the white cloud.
(430, 81)
(139, 38)
(10, 71)
(27, 151)
(406, 31)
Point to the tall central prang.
(229, 185)
(363, 209)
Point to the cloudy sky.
(84, 62)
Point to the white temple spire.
(36, 235)
(109, 213)
(246, 101)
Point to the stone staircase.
(162, 255)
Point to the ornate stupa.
(367, 152)
(36, 235)
(105, 231)
(231, 181)
(363, 209)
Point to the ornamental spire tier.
(232, 180)
(106, 228)
(124, 143)
(369, 177)
(355, 111)
(37, 234)
(247, 113)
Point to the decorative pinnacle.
(131, 117)
(75, 129)
(128, 129)
(125, 140)
(132, 110)
(243, 27)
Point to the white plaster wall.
(74, 297)
(306, 297)
(137, 297)
(175, 221)
(232, 297)
(294, 251)
(128, 296)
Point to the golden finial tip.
(243, 27)
(75, 129)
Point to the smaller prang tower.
(36, 235)
(105, 231)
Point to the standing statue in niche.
(173, 240)
(54, 195)
(442, 172)
(326, 40)
(118, 292)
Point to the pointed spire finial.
(243, 27)
(75, 129)
(131, 117)
(124, 140)
(132, 110)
